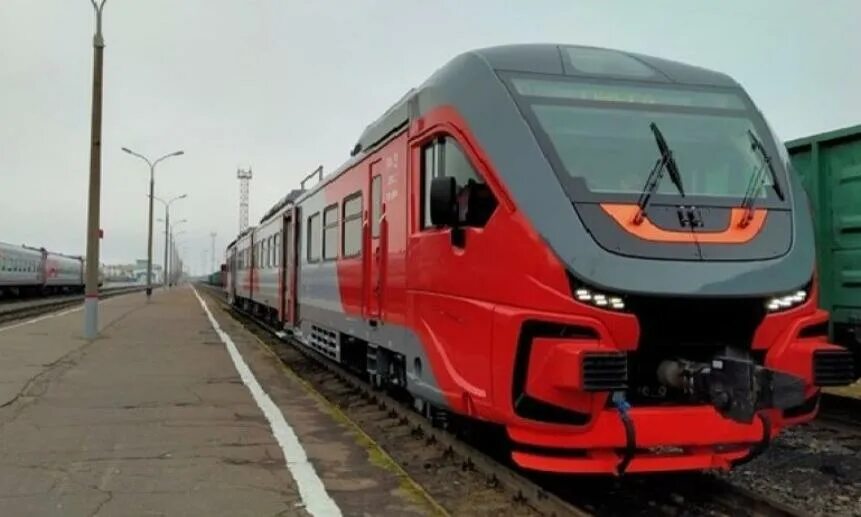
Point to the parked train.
(26, 271)
(606, 254)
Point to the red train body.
(449, 258)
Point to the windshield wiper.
(657, 173)
(758, 180)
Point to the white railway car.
(34, 271)
(62, 271)
(20, 269)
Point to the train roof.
(552, 59)
(32, 249)
(291, 197)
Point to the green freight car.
(215, 279)
(829, 165)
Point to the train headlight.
(605, 301)
(783, 302)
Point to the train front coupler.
(737, 387)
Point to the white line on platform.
(311, 489)
(40, 318)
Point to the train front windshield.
(598, 137)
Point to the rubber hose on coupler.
(622, 407)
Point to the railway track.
(16, 310)
(676, 494)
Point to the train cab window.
(352, 230)
(330, 233)
(444, 157)
(277, 250)
(314, 242)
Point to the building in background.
(132, 272)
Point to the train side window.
(352, 229)
(429, 170)
(314, 242)
(376, 205)
(277, 242)
(330, 232)
(476, 202)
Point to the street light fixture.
(91, 297)
(166, 226)
(152, 165)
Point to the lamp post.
(152, 165)
(173, 253)
(173, 234)
(91, 300)
(166, 226)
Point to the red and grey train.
(606, 254)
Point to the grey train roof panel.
(393, 119)
(291, 197)
(563, 60)
(556, 60)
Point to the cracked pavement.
(151, 418)
(145, 420)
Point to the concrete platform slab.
(152, 418)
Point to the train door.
(289, 269)
(232, 278)
(375, 255)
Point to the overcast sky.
(284, 85)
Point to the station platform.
(165, 414)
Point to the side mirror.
(443, 201)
